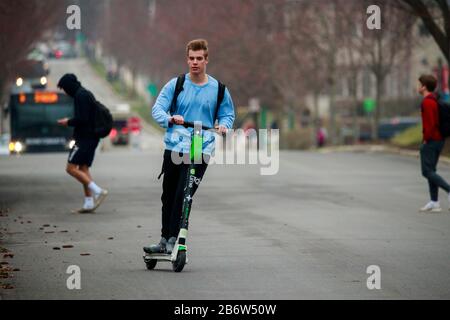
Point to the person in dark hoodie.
(82, 153)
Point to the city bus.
(33, 122)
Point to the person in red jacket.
(432, 143)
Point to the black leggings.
(173, 191)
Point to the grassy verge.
(411, 138)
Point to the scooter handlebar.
(189, 124)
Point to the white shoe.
(431, 207)
(84, 209)
(98, 198)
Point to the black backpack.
(444, 116)
(103, 120)
(179, 88)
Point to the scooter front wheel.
(179, 263)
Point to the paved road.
(150, 138)
(309, 232)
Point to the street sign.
(152, 89)
(369, 105)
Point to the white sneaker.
(98, 198)
(431, 207)
(85, 209)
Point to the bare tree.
(435, 15)
(319, 33)
(386, 47)
(22, 23)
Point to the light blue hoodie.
(194, 103)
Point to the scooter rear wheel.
(179, 263)
(151, 264)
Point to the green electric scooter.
(178, 257)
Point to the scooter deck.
(160, 257)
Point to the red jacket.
(430, 119)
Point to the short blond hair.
(196, 45)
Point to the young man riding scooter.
(191, 97)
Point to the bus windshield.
(40, 120)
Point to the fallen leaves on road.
(4, 212)
(4, 272)
(7, 286)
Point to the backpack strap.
(220, 96)
(178, 89)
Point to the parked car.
(388, 128)
(120, 133)
(63, 50)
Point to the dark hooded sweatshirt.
(84, 103)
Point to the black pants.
(173, 190)
(429, 157)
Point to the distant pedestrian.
(322, 135)
(433, 142)
(82, 153)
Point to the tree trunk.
(316, 117)
(378, 107)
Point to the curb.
(379, 149)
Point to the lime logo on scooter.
(194, 179)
